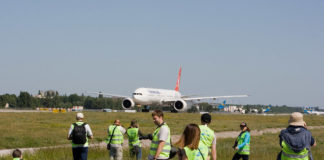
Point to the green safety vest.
(246, 149)
(288, 154)
(155, 143)
(117, 138)
(16, 159)
(80, 145)
(195, 154)
(207, 135)
(133, 139)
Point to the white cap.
(79, 116)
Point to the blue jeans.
(138, 153)
(80, 153)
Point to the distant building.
(48, 93)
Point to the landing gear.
(146, 109)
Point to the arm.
(246, 140)
(214, 152)
(313, 142)
(213, 149)
(89, 132)
(159, 149)
(70, 132)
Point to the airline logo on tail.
(178, 80)
(221, 106)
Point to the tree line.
(28, 101)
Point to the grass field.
(22, 130)
(265, 147)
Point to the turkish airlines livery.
(162, 97)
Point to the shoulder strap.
(112, 134)
(201, 154)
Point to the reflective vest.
(246, 149)
(80, 145)
(133, 139)
(195, 154)
(155, 143)
(206, 135)
(16, 159)
(288, 154)
(117, 138)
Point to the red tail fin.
(178, 80)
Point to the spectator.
(161, 142)
(296, 140)
(191, 148)
(242, 143)
(17, 155)
(79, 133)
(116, 138)
(207, 136)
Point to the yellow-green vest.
(195, 154)
(133, 138)
(117, 138)
(16, 159)
(246, 149)
(80, 145)
(207, 135)
(155, 142)
(288, 154)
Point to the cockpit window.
(137, 93)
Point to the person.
(191, 146)
(116, 138)
(296, 140)
(17, 155)
(207, 136)
(134, 136)
(161, 139)
(79, 133)
(242, 143)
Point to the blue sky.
(272, 50)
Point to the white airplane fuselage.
(149, 96)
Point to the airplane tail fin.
(178, 80)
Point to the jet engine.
(128, 103)
(180, 105)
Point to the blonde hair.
(190, 137)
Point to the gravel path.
(146, 143)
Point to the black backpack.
(79, 134)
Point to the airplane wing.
(214, 97)
(109, 95)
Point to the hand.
(150, 136)
(236, 148)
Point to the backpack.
(79, 134)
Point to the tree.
(25, 100)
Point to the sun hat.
(79, 116)
(296, 119)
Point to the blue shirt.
(246, 140)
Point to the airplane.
(309, 110)
(267, 109)
(162, 97)
(221, 106)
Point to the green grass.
(265, 147)
(22, 130)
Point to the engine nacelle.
(128, 103)
(180, 105)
